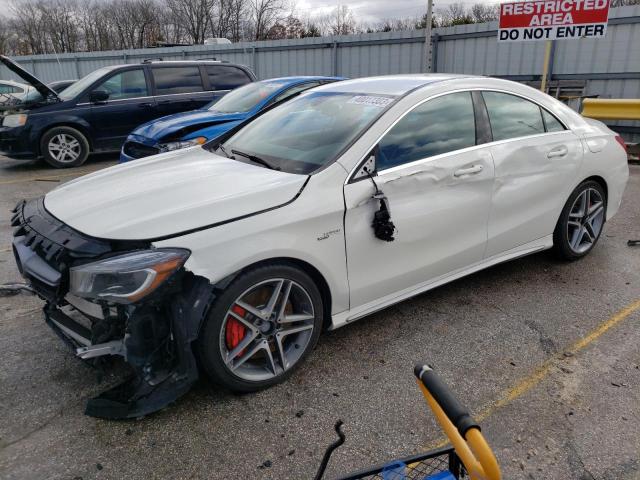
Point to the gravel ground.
(504, 339)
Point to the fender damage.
(154, 336)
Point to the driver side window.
(437, 126)
(127, 84)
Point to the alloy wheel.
(64, 148)
(267, 329)
(585, 221)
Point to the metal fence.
(608, 67)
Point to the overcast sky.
(375, 10)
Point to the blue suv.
(199, 126)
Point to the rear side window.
(550, 122)
(437, 126)
(127, 84)
(511, 116)
(171, 80)
(226, 78)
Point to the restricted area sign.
(553, 19)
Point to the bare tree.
(485, 13)
(47, 26)
(454, 14)
(340, 21)
(194, 15)
(263, 15)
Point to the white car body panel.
(530, 187)
(309, 230)
(447, 227)
(169, 193)
(441, 223)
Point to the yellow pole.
(545, 66)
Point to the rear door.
(536, 160)
(179, 88)
(129, 104)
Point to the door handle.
(558, 152)
(145, 105)
(472, 170)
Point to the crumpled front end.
(153, 334)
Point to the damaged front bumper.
(154, 336)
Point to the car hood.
(41, 87)
(184, 123)
(169, 195)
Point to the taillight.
(620, 140)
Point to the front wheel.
(581, 221)
(261, 328)
(64, 147)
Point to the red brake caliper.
(235, 330)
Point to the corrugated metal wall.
(610, 67)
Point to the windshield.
(307, 132)
(244, 98)
(77, 88)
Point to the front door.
(127, 106)
(438, 183)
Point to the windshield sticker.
(372, 101)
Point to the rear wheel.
(261, 328)
(581, 221)
(64, 147)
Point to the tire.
(232, 345)
(578, 229)
(64, 147)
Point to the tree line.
(58, 26)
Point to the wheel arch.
(601, 181)
(83, 128)
(303, 265)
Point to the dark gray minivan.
(97, 112)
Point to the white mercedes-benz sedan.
(344, 200)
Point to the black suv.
(96, 113)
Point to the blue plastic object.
(397, 471)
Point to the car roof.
(390, 84)
(158, 62)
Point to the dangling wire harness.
(383, 227)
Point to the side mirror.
(98, 96)
(368, 167)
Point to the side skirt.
(340, 319)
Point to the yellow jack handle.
(473, 450)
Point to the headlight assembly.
(168, 147)
(16, 120)
(126, 278)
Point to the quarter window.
(127, 84)
(511, 116)
(172, 80)
(226, 78)
(551, 123)
(437, 126)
